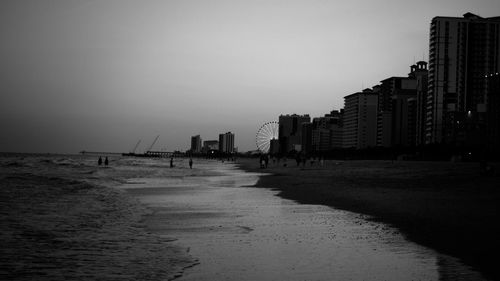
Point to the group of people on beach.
(300, 158)
(106, 162)
(190, 162)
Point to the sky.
(101, 75)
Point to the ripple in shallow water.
(55, 229)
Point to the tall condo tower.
(196, 144)
(462, 51)
(226, 142)
(360, 120)
(290, 132)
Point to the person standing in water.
(171, 162)
(106, 162)
(99, 162)
(190, 163)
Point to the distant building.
(393, 96)
(327, 132)
(461, 52)
(360, 120)
(274, 146)
(398, 109)
(210, 145)
(403, 134)
(226, 143)
(336, 134)
(421, 74)
(307, 137)
(196, 144)
(411, 121)
(290, 132)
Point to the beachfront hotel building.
(307, 137)
(196, 144)
(360, 120)
(326, 132)
(461, 52)
(290, 132)
(274, 146)
(226, 143)
(398, 107)
(393, 95)
(421, 74)
(210, 145)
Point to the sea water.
(65, 217)
(62, 217)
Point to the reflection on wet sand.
(244, 233)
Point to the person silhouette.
(106, 162)
(171, 162)
(190, 163)
(262, 161)
(99, 162)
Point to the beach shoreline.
(64, 217)
(449, 207)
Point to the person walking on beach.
(99, 162)
(171, 162)
(106, 162)
(190, 163)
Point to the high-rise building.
(411, 121)
(397, 107)
(307, 137)
(360, 120)
(421, 74)
(210, 145)
(196, 144)
(274, 146)
(290, 132)
(393, 95)
(327, 131)
(461, 52)
(226, 143)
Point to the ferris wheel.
(266, 133)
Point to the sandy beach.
(234, 231)
(449, 207)
(138, 219)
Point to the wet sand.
(449, 207)
(237, 232)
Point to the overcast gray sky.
(100, 75)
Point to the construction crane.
(150, 147)
(135, 147)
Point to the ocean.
(64, 217)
